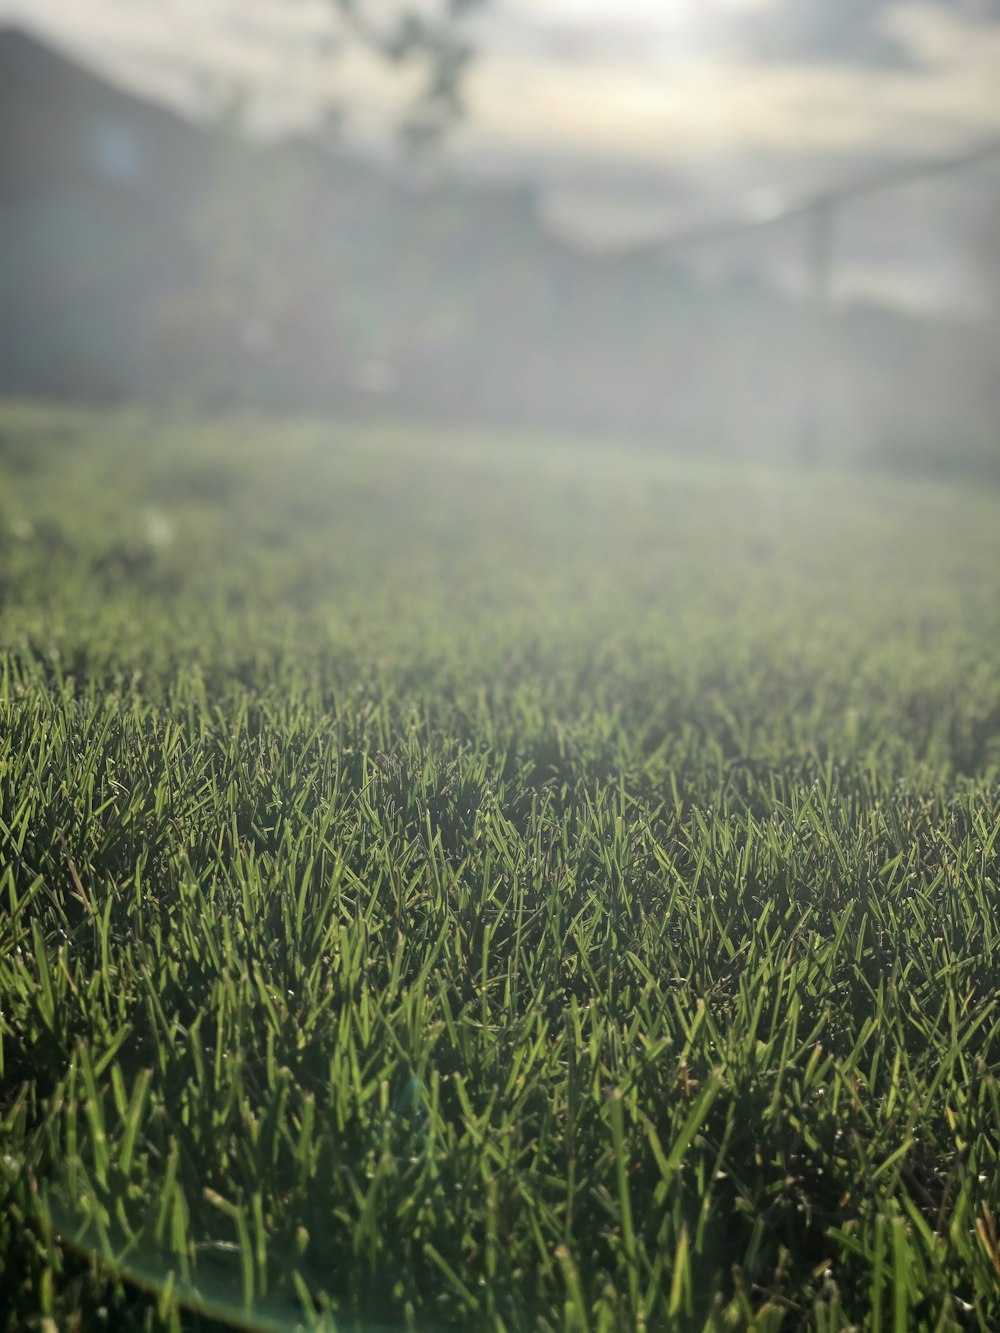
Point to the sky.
(637, 117)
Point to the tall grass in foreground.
(457, 883)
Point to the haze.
(636, 119)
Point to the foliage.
(433, 37)
(454, 882)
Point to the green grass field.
(451, 882)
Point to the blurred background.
(764, 227)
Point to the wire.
(824, 201)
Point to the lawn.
(452, 881)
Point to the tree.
(227, 333)
(432, 36)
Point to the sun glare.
(685, 27)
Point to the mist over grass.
(477, 881)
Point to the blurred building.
(142, 255)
